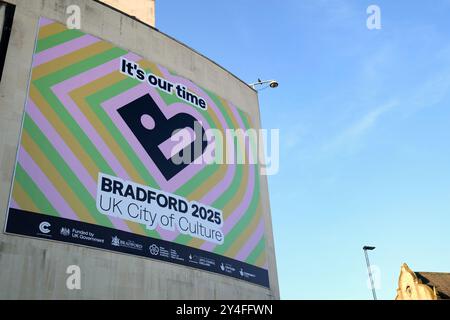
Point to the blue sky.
(364, 119)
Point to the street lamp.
(258, 85)
(369, 269)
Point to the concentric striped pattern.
(71, 133)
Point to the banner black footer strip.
(87, 234)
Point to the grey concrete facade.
(36, 269)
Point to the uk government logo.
(65, 232)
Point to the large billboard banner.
(116, 153)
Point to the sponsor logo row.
(155, 250)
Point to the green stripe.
(242, 223)
(254, 255)
(44, 85)
(57, 39)
(170, 98)
(95, 101)
(205, 173)
(39, 199)
(69, 176)
(252, 139)
(234, 187)
(202, 176)
(248, 215)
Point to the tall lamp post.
(369, 269)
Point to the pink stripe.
(46, 187)
(62, 89)
(69, 157)
(124, 175)
(220, 187)
(167, 234)
(44, 21)
(63, 49)
(111, 107)
(196, 89)
(250, 157)
(119, 224)
(237, 214)
(243, 206)
(251, 242)
(256, 236)
(113, 104)
(226, 181)
(178, 142)
(64, 151)
(14, 204)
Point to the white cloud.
(358, 129)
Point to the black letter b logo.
(151, 128)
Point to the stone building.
(422, 285)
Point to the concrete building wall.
(32, 268)
(2, 18)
